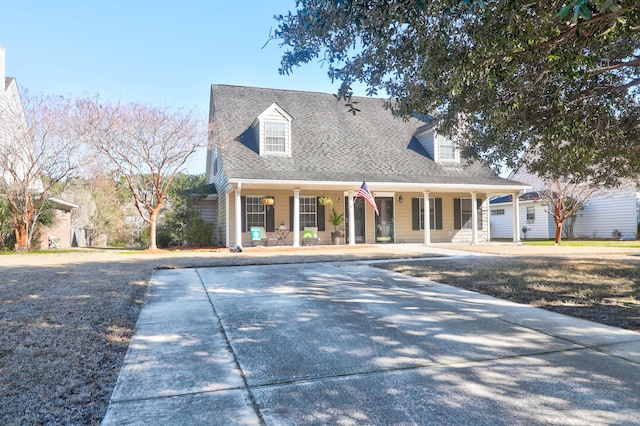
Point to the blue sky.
(163, 53)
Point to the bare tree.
(147, 146)
(566, 199)
(37, 155)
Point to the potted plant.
(336, 220)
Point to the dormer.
(440, 148)
(273, 132)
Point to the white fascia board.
(380, 186)
(63, 203)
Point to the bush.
(199, 232)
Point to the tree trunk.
(22, 242)
(558, 232)
(21, 231)
(153, 217)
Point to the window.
(255, 211)
(435, 213)
(497, 212)
(466, 214)
(463, 215)
(275, 137)
(446, 149)
(308, 212)
(531, 214)
(432, 213)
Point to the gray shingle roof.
(328, 142)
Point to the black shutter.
(479, 201)
(415, 214)
(291, 213)
(438, 208)
(320, 217)
(456, 214)
(270, 216)
(243, 209)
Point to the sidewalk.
(344, 343)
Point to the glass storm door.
(358, 216)
(384, 221)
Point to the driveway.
(350, 344)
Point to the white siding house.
(599, 218)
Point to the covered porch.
(294, 206)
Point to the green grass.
(587, 243)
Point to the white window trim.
(456, 152)
(312, 201)
(432, 208)
(253, 198)
(274, 114)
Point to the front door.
(384, 221)
(358, 216)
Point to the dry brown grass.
(66, 318)
(604, 290)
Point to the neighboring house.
(13, 128)
(12, 123)
(599, 218)
(296, 147)
(60, 231)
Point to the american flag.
(364, 193)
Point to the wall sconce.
(338, 199)
(400, 199)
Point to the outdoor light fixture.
(400, 199)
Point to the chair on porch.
(310, 236)
(258, 236)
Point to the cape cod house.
(298, 148)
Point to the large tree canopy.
(558, 79)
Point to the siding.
(541, 228)
(209, 210)
(602, 215)
(427, 139)
(501, 226)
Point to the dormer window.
(446, 149)
(438, 147)
(275, 137)
(273, 131)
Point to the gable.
(272, 131)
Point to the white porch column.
(474, 218)
(352, 225)
(238, 217)
(296, 218)
(516, 217)
(488, 201)
(427, 219)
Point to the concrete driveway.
(350, 344)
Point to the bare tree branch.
(148, 146)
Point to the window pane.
(275, 136)
(255, 211)
(447, 149)
(432, 213)
(308, 212)
(466, 214)
(531, 213)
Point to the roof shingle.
(329, 143)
